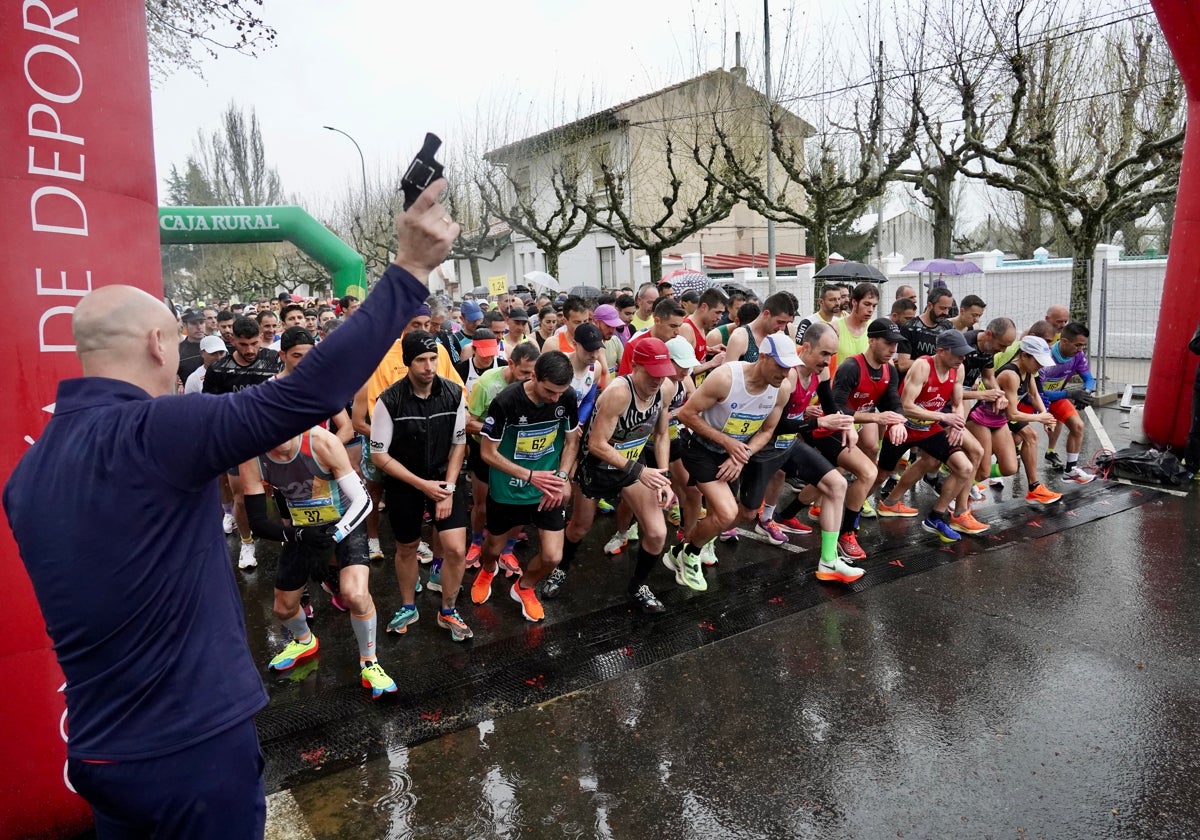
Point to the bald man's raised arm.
(195, 437)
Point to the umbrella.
(542, 279)
(955, 267)
(585, 292)
(480, 291)
(730, 286)
(850, 270)
(686, 280)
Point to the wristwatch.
(560, 474)
(449, 486)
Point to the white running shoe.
(228, 523)
(1079, 475)
(424, 553)
(616, 543)
(246, 559)
(708, 553)
(373, 549)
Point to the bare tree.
(176, 28)
(1090, 129)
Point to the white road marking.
(787, 546)
(284, 819)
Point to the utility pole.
(879, 160)
(770, 167)
(363, 162)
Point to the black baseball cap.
(588, 337)
(885, 329)
(953, 341)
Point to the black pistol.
(422, 172)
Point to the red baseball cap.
(654, 356)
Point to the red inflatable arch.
(1172, 371)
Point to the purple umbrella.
(954, 267)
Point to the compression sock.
(768, 511)
(849, 521)
(568, 554)
(641, 571)
(829, 540)
(364, 631)
(297, 625)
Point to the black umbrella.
(480, 291)
(850, 270)
(730, 286)
(585, 292)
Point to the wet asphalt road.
(1038, 682)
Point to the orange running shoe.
(814, 512)
(898, 509)
(849, 549)
(481, 589)
(966, 523)
(473, 554)
(1042, 495)
(510, 564)
(531, 607)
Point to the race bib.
(313, 512)
(785, 441)
(673, 430)
(742, 426)
(631, 450)
(533, 445)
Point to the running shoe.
(730, 536)
(1055, 462)
(306, 605)
(966, 523)
(898, 509)
(459, 631)
(997, 482)
(435, 575)
(294, 652)
(510, 564)
(615, 543)
(647, 602)
(770, 529)
(708, 553)
(795, 526)
(849, 549)
(403, 617)
(335, 597)
(376, 679)
(246, 558)
(888, 486)
(868, 510)
(531, 607)
(481, 589)
(674, 516)
(373, 549)
(522, 536)
(942, 528)
(794, 482)
(976, 494)
(632, 533)
(424, 553)
(838, 571)
(1042, 495)
(671, 559)
(418, 589)
(604, 507)
(553, 584)
(473, 553)
(228, 523)
(1079, 475)
(814, 512)
(934, 481)
(691, 573)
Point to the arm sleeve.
(825, 397)
(381, 428)
(844, 382)
(353, 489)
(1085, 372)
(262, 525)
(190, 439)
(460, 425)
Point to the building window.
(600, 159)
(608, 267)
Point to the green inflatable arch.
(247, 225)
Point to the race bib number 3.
(532, 445)
(742, 426)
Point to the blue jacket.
(116, 513)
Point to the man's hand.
(548, 483)
(729, 470)
(739, 452)
(952, 420)
(444, 507)
(990, 395)
(836, 422)
(435, 490)
(424, 233)
(718, 359)
(890, 418)
(955, 435)
(897, 434)
(655, 479)
(314, 536)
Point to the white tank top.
(741, 414)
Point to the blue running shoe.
(404, 616)
(942, 528)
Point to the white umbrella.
(541, 278)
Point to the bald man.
(1057, 316)
(114, 514)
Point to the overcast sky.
(387, 72)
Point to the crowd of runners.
(683, 413)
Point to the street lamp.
(362, 161)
